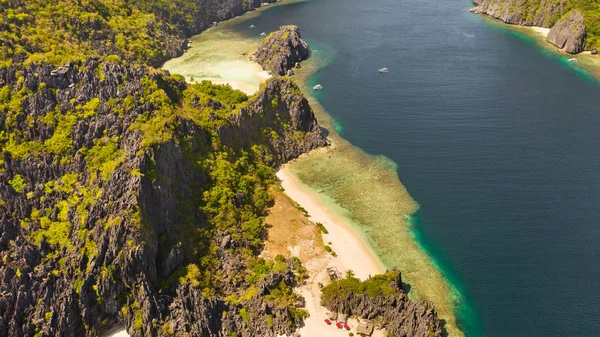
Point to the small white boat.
(263, 34)
(318, 87)
(251, 26)
(572, 60)
(383, 70)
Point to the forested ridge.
(127, 195)
(139, 31)
(584, 32)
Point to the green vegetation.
(88, 144)
(18, 183)
(591, 13)
(322, 228)
(590, 9)
(59, 30)
(138, 321)
(104, 157)
(350, 285)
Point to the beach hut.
(342, 318)
(364, 328)
(333, 273)
(331, 315)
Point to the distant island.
(131, 198)
(573, 24)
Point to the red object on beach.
(327, 321)
(346, 327)
(339, 325)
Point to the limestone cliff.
(382, 300)
(282, 50)
(543, 13)
(569, 33)
(105, 202)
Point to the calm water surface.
(498, 141)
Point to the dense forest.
(139, 31)
(591, 13)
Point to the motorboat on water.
(251, 26)
(572, 60)
(263, 34)
(318, 87)
(383, 70)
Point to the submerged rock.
(569, 33)
(282, 50)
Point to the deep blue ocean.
(497, 139)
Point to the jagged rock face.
(278, 98)
(400, 316)
(207, 12)
(169, 27)
(115, 223)
(520, 12)
(281, 50)
(569, 33)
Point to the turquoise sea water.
(495, 137)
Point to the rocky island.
(130, 197)
(282, 50)
(572, 26)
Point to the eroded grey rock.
(569, 33)
(282, 50)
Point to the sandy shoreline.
(352, 254)
(351, 251)
(540, 30)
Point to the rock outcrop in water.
(569, 33)
(282, 50)
(567, 30)
(381, 299)
(102, 180)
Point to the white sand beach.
(351, 252)
(540, 30)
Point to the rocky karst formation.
(104, 170)
(569, 33)
(518, 12)
(159, 31)
(391, 308)
(567, 30)
(282, 50)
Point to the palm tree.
(349, 273)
